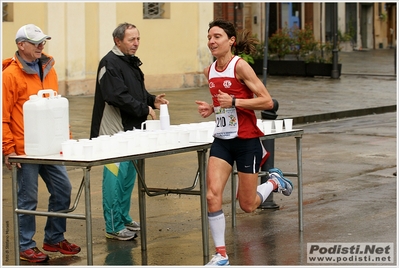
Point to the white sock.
(217, 225)
(264, 190)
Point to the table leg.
(204, 206)
(89, 235)
(300, 190)
(233, 197)
(142, 204)
(15, 214)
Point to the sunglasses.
(37, 45)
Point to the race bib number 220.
(226, 123)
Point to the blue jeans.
(59, 187)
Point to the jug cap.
(33, 97)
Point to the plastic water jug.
(46, 123)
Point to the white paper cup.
(162, 138)
(152, 141)
(88, 150)
(172, 137)
(132, 145)
(193, 134)
(77, 149)
(278, 125)
(67, 148)
(203, 135)
(288, 124)
(259, 124)
(123, 145)
(267, 126)
(184, 137)
(96, 145)
(113, 145)
(105, 144)
(133, 141)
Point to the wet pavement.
(349, 190)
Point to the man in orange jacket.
(29, 71)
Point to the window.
(351, 19)
(8, 12)
(153, 10)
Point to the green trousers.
(118, 183)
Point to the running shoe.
(219, 260)
(123, 235)
(133, 226)
(276, 170)
(284, 185)
(64, 247)
(33, 255)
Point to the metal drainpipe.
(394, 60)
(269, 146)
(335, 72)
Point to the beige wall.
(317, 22)
(380, 28)
(22, 16)
(174, 50)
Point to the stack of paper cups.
(164, 117)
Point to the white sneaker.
(219, 260)
(123, 234)
(133, 226)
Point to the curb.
(370, 74)
(343, 114)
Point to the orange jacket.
(19, 82)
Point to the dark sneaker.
(64, 247)
(133, 226)
(33, 255)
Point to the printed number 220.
(221, 122)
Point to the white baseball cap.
(31, 33)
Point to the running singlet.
(231, 122)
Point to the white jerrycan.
(46, 123)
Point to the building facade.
(371, 25)
(173, 45)
(174, 34)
